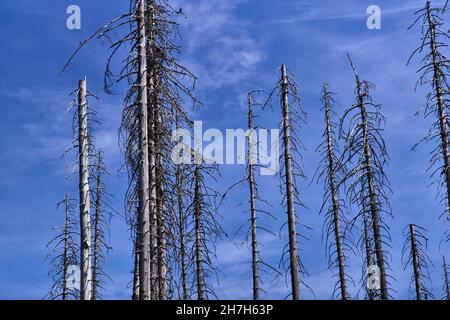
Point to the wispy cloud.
(214, 33)
(309, 10)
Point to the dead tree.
(256, 203)
(257, 206)
(414, 250)
(158, 86)
(329, 172)
(204, 227)
(446, 286)
(182, 230)
(84, 189)
(367, 244)
(253, 195)
(64, 255)
(435, 71)
(134, 127)
(169, 85)
(365, 155)
(135, 292)
(144, 200)
(198, 235)
(101, 221)
(293, 252)
(292, 118)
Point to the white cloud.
(219, 48)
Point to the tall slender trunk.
(66, 249)
(367, 246)
(439, 91)
(162, 254)
(135, 295)
(294, 267)
(335, 201)
(446, 279)
(144, 212)
(160, 212)
(97, 231)
(415, 262)
(85, 200)
(198, 234)
(251, 182)
(376, 220)
(182, 226)
(152, 152)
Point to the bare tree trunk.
(136, 270)
(367, 245)
(198, 234)
(251, 182)
(446, 279)
(294, 267)
(97, 231)
(159, 172)
(85, 200)
(66, 249)
(415, 260)
(334, 198)
(376, 220)
(182, 226)
(144, 212)
(152, 152)
(439, 92)
(162, 260)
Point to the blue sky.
(232, 46)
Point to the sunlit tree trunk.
(144, 212)
(85, 200)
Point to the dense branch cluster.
(331, 172)
(414, 254)
(435, 71)
(364, 156)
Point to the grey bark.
(334, 198)
(97, 229)
(66, 249)
(182, 226)
(144, 212)
(85, 200)
(251, 182)
(135, 295)
(152, 154)
(415, 262)
(439, 92)
(160, 209)
(376, 220)
(446, 279)
(198, 234)
(367, 245)
(293, 251)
